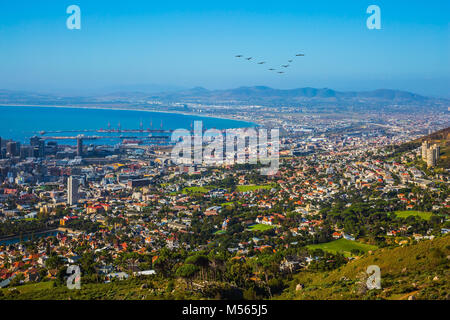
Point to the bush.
(276, 285)
(250, 294)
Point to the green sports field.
(247, 188)
(420, 214)
(342, 246)
(195, 190)
(260, 227)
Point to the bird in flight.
(261, 62)
(285, 65)
(300, 55)
(289, 61)
(249, 58)
(239, 56)
(271, 69)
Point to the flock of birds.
(272, 69)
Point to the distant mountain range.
(261, 92)
(259, 95)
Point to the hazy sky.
(193, 43)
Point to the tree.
(200, 261)
(187, 272)
(54, 262)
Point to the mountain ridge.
(314, 98)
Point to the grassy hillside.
(443, 134)
(342, 246)
(133, 289)
(441, 137)
(420, 270)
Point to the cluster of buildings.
(133, 200)
(430, 154)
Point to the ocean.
(21, 123)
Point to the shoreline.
(34, 233)
(128, 109)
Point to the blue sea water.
(29, 237)
(21, 123)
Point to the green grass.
(195, 190)
(420, 214)
(120, 290)
(247, 188)
(342, 246)
(260, 227)
(220, 232)
(27, 288)
(405, 271)
(231, 203)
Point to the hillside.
(420, 270)
(441, 137)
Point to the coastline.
(129, 109)
(27, 235)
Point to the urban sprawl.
(347, 187)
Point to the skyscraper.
(431, 157)
(25, 152)
(79, 147)
(425, 146)
(72, 190)
(430, 154)
(437, 150)
(38, 143)
(11, 149)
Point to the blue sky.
(193, 43)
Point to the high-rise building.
(431, 158)
(430, 154)
(72, 190)
(25, 152)
(51, 148)
(425, 146)
(437, 150)
(79, 147)
(38, 143)
(11, 149)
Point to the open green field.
(260, 227)
(195, 190)
(231, 203)
(247, 188)
(342, 246)
(420, 214)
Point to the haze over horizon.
(181, 45)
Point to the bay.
(19, 123)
